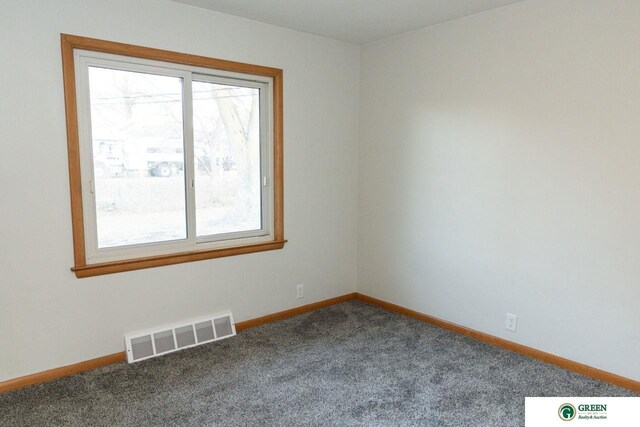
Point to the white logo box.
(582, 411)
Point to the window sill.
(177, 258)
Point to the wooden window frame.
(81, 268)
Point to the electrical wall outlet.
(512, 322)
(300, 291)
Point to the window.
(172, 157)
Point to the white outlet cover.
(512, 322)
(300, 291)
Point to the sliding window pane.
(138, 157)
(227, 158)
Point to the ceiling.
(353, 21)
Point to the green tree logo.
(567, 412)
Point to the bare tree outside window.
(137, 129)
(226, 126)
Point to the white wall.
(499, 171)
(48, 318)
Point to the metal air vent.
(163, 340)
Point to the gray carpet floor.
(351, 364)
